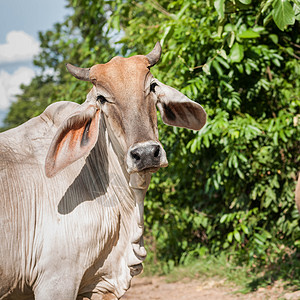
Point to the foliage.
(229, 187)
(282, 12)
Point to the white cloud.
(19, 46)
(10, 84)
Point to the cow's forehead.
(120, 68)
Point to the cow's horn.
(154, 55)
(79, 73)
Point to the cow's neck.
(123, 194)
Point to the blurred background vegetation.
(230, 187)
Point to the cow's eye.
(152, 87)
(101, 99)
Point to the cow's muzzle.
(146, 157)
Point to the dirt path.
(156, 288)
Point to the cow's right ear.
(75, 137)
(176, 109)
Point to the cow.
(73, 182)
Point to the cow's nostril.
(157, 152)
(135, 156)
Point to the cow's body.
(55, 231)
(73, 181)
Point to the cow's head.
(125, 93)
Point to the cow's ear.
(75, 137)
(176, 109)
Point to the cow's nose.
(140, 155)
(148, 157)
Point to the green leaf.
(236, 53)
(241, 175)
(275, 138)
(246, 2)
(297, 10)
(220, 8)
(193, 146)
(217, 67)
(223, 62)
(222, 53)
(183, 9)
(260, 237)
(235, 161)
(229, 237)
(220, 29)
(223, 218)
(206, 141)
(259, 242)
(265, 5)
(267, 19)
(283, 14)
(249, 34)
(237, 235)
(206, 69)
(245, 229)
(274, 38)
(231, 39)
(282, 136)
(167, 34)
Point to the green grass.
(208, 267)
(245, 277)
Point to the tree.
(230, 186)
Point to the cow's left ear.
(176, 109)
(75, 137)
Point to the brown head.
(126, 94)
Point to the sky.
(20, 22)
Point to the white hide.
(78, 233)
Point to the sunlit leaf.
(222, 53)
(223, 218)
(229, 237)
(231, 39)
(246, 2)
(236, 53)
(249, 34)
(206, 69)
(245, 229)
(220, 7)
(283, 14)
(237, 235)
